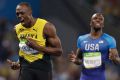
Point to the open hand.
(13, 65)
(72, 56)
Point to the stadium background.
(71, 18)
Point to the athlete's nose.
(97, 20)
(19, 16)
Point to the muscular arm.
(114, 56)
(53, 41)
(53, 44)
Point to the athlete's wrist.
(116, 60)
(78, 61)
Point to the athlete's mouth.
(97, 24)
(21, 20)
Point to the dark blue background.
(7, 8)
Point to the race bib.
(92, 60)
(26, 49)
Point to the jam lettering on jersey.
(28, 35)
(92, 47)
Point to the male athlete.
(37, 42)
(94, 50)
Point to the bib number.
(26, 49)
(92, 60)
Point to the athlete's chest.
(94, 45)
(27, 33)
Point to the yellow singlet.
(36, 33)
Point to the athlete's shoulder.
(108, 37)
(41, 19)
(82, 37)
(17, 26)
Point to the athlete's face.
(97, 21)
(23, 13)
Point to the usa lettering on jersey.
(92, 47)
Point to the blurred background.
(71, 18)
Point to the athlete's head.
(97, 21)
(24, 13)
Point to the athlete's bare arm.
(76, 58)
(114, 56)
(52, 40)
(14, 65)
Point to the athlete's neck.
(33, 21)
(96, 35)
(30, 23)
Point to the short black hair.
(26, 4)
(99, 14)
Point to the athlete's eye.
(17, 14)
(22, 13)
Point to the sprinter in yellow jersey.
(37, 42)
